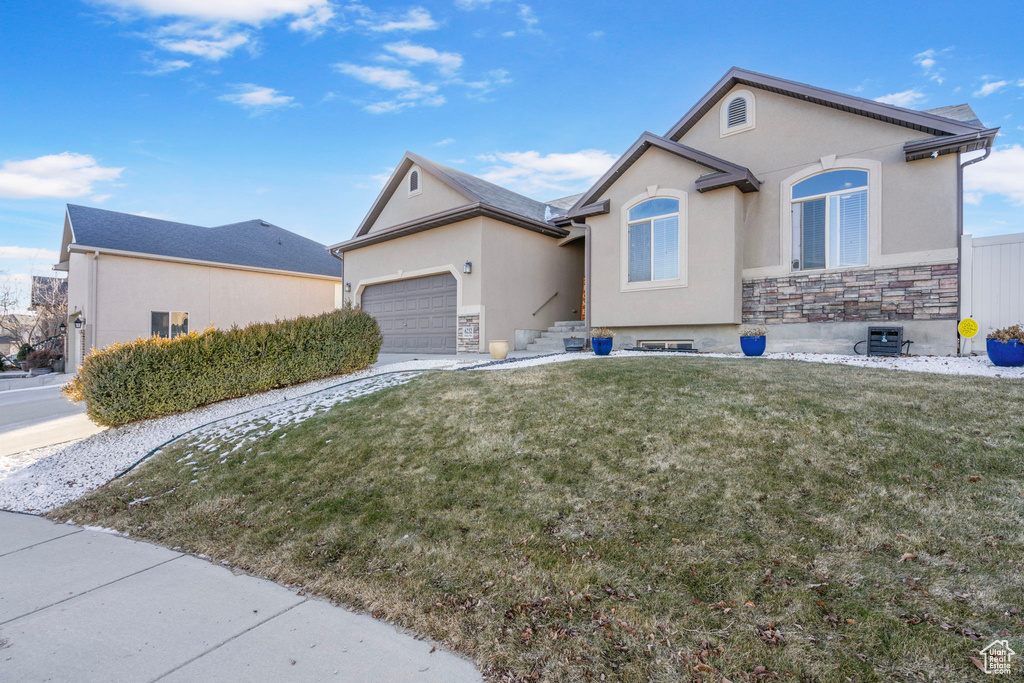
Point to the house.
(48, 292)
(130, 276)
(770, 202)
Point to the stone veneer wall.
(469, 334)
(912, 293)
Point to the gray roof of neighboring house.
(957, 112)
(253, 244)
(563, 204)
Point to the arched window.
(414, 182)
(737, 112)
(830, 220)
(654, 240)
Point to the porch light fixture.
(79, 322)
(348, 286)
(468, 268)
(62, 327)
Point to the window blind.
(640, 252)
(666, 248)
(813, 238)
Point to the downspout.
(586, 277)
(960, 231)
(342, 259)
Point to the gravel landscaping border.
(40, 480)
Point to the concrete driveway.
(82, 605)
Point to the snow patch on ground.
(46, 478)
(942, 365)
(41, 480)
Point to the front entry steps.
(551, 339)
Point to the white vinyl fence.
(992, 283)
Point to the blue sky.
(216, 111)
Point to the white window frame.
(170, 324)
(875, 198)
(419, 181)
(723, 107)
(653, 192)
(827, 196)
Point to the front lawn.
(635, 519)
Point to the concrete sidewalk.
(81, 605)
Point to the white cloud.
(29, 254)
(596, 34)
(907, 98)
(448, 63)
(416, 19)
(473, 4)
(382, 77)
(387, 107)
(252, 12)
(529, 18)
(493, 79)
(315, 22)
(929, 60)
(258, 99)
(166, 66)
(54, 175)
(532, 171)
(100, 198)
(1001, 174)
(212, 42)
(444, 143)
(990, 87)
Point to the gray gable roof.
(253, 244)
(957, 112)
(494, 195)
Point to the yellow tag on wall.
(968, 327)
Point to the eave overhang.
(442, 218)
(908, 118)
(949, 144)
(723, 173)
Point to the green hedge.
(154, 377)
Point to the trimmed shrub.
(41, 358)
(154, 377)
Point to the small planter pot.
(23, 365)
(602, 345)
(498, 349)
(753, 346)
(1007, 355)
(573, 344)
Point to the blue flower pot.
(602, 345)
(1007, 355)
(753, 346)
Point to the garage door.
(416, 315)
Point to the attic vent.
(265, 224)
(414, 182)
(737, 112)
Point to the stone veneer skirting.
(926, 292)
(469, 334)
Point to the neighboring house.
(131, 276)
(770, 202)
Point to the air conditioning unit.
(885, 341)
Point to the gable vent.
(737, 112)
(414, 181)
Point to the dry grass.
(636, 519)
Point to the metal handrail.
(545, 303)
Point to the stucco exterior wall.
(917, 199)
(713, 239)
(521, 270)
(436, 196)
(127, 290)
(514, 271)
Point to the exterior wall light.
(468, 268)
(62, 327)
(348, 286)
(79, 322)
